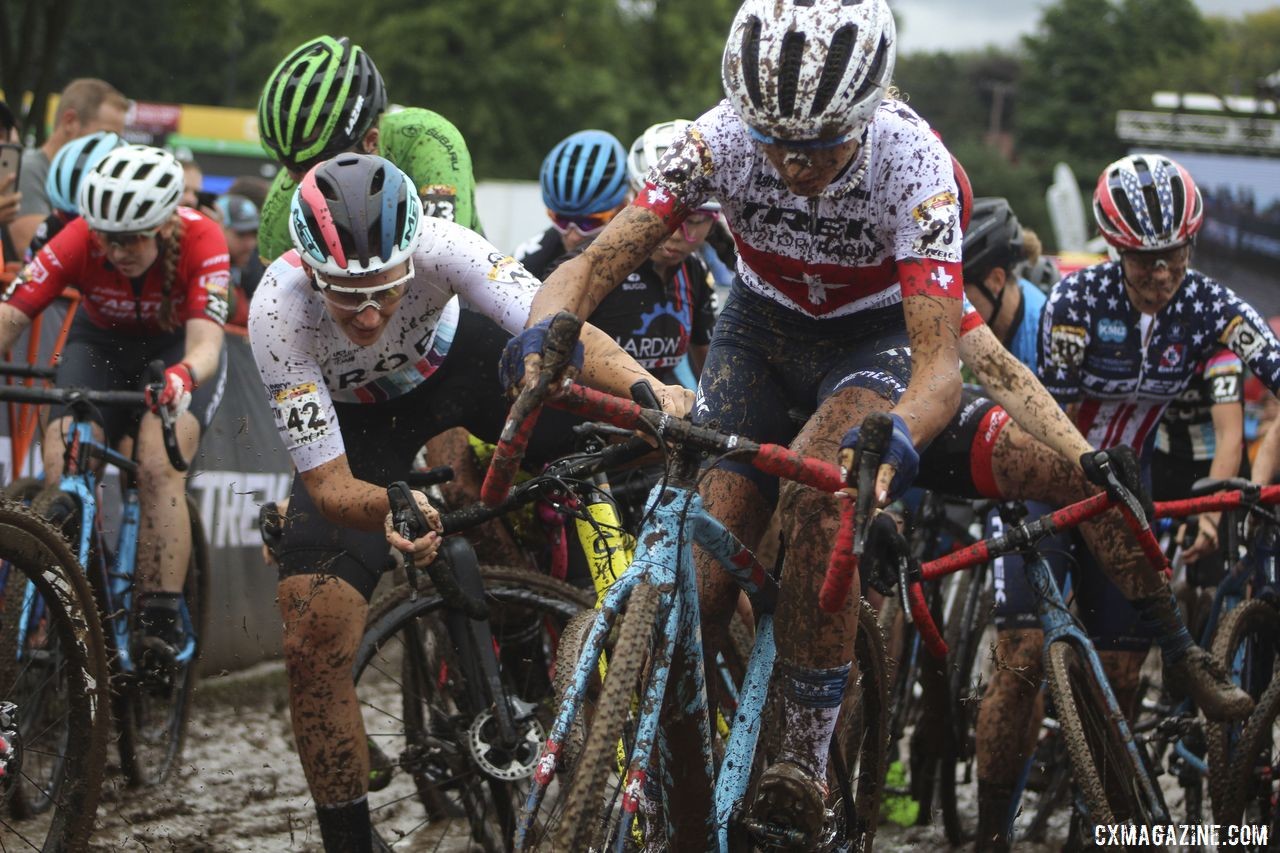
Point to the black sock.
(345, 828)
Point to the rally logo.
(295, 392)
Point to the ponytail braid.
(171, 249)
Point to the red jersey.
(130, 307)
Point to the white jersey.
(850, 249)
(307, 363)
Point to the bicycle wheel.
(431, 736)
(969, 633)
(1103, 767)
(51, 679)
(593, 805)
(153, 719)
(1252, 784)
(859, 754)
(1246, 644)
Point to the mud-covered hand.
(898, 465)
(175, 391)
(522, 357)
(676, 400)
(422, 550)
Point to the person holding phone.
(10, 257)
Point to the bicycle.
(151, 714)
(466, 652)
(46, 636)
(657, 595)
(1108, 763)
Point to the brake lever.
(408, 521)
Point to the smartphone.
(10, 164)
(205, 198)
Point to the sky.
(936, 25)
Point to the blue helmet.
(72, 162)
(586, 173)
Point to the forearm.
(607, 367)
(344, 500)
(12, 324)
(1268, 458)
(1227, 453)
(1035, 410)
(204, 340)
(564, 290)
(933, 394)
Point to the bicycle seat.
(1208, 485)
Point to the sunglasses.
(353, 300)
(124, 240)
(1148, 262)
(584, 225)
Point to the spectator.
(240, 225)
(86, 105)
(193, 194)
(9, 200)
(251, 187)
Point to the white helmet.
(134, 188)
(809, 71)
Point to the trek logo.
(1112, 331)
(799, 221)
(228, 503)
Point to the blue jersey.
(1124, 368)
(1024, 342)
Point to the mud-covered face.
(1153, 278)
(809, 171)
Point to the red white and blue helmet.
(1147, 203)
(355, 215)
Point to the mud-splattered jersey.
(74, 258)
(1186, 429)
(429, 149)
(886, 226)
(1124, 368)
(307, 363)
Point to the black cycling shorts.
(382, 439)
(959, 461)
(768, 368)
(103, 360)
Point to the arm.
(607, 367)
(1266, 464)
(203, 347)
(933, 395)
(1012, 384)
(12, 324)
(345, 500)
(1228, 440)
(580, 284)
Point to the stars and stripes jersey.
(307, 363)
(887, 226)
(1124, 368)
(1186, 429)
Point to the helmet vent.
(1179, 193)
(838, 56)
(750, 54)
(789, 72)
(1126, 210)
(872, 77)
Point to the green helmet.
(319, 101)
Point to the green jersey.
(425, 145)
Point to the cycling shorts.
(959, 461)
(382, 439)
(103, 360)
(769, 367)
(1111, 622)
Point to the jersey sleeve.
(280, 327)
(1224, 379)
(51, 271)
(684, 177)
(970, 319)
(1241, 330)
(206, 268)
(489, 281)
(273, 224)
(432, 151)
(920, 185)
(1064, 338)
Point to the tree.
(31, 34)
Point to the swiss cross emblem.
(942, 278)
(658, 195)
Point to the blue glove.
(531, 340)
(900, 453)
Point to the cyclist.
(843, 206)
(69, 166)
(365, 353)
(327, 97)
(153, 283)
(584, 185)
